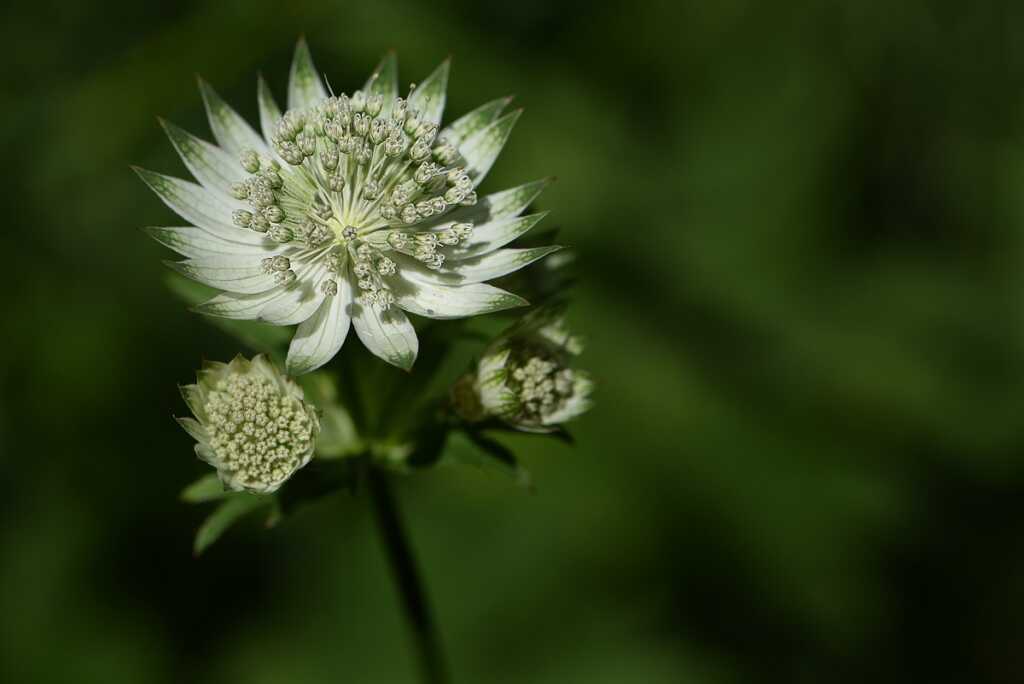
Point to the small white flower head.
(526, 377)
(251, 423)
(366, 191)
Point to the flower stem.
(410, 586)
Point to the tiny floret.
(251, 423)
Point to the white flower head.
(526, 377)
(348, 210)
(251, 423)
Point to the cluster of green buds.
(526, 377)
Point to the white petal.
(577, 404)
(429, 97)
(498, 206)
(384, 82)
(237, 306)
(208, 455)
(232, 132)
(195, 398)
(476, 120)
(483, 147)
(388, 334)
(195, 429)
(198, 243)
(270, 113)
(280, 306)
(489, 266)
(447, 301)
(234, 274)
(262, 365)
(305, 89)
(492, 386)
(211, 166)
(294, 305)
(194, 203)
(494, 234)
(300, 300)
(320, 336)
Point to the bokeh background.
(800, 240)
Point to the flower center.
(542, 385)
(257, 432)
(357, 178)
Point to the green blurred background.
(800, 259)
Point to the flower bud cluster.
(526, 377)
(541, 384)
(254, 425)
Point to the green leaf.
(557, 432)
(253, 334)
(392, 453)
(207, 488)
(226, 515)
(338, 435)
(419, 391)
(430, 443)
(489, 454)
(317, 480)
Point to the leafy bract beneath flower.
(526, 377)
(251, 423)
(348, 212)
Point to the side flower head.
(251, 423)
(348, 210)
(526, 377)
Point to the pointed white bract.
(347, 211)
(526, 377)
(251, 423)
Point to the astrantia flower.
(526, 377)
(251, 423)
(348, 209)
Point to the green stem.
(403, 567)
